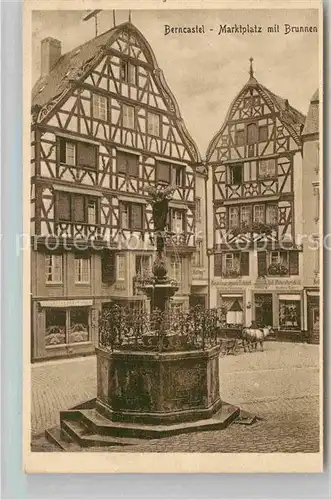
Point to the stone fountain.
(151, 384)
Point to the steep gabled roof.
(66, 69)
(312, 121)
(292, 118)
(74, 66)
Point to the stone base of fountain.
(149, 395)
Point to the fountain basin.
(158, 387)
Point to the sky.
(206, 71)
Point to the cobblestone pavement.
(280, 385)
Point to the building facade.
(311, 220)
(105, 126)
(255, 163)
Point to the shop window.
(55, 326)
(127, 164)
(54, 267)
(66, 326)
(289, 314)
(232, 310)
(78, 325)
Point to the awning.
(78, 190)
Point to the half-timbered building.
(311, 220)
(255, 163)
(105, 125)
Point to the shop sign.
(66, 303)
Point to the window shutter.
(218, 264)
(108, 266)
(163, 172)
(62, 151)
(79, 209)
(86, 155)
(63, 206)
(136, 216)
(244, 263)
(133, 165)
(261, 263)
(294, 263)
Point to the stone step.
(89, 422)
(61, 440)
(85, 438)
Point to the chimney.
(50, 54)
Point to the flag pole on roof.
(129, 16)
(93, 13)
(114, 18)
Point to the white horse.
(252, 336)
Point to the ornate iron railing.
(121, 328)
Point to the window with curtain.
(82, 269)
(128, 116)
(131, 216)
(289, 314)
(99, 106)
(232, 308)
(246, 215)
(258, 211)
(267, 168)
(54, 265)
(153, 124)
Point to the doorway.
(263, 309)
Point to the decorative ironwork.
(122, 328)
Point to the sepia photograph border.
(39, 462)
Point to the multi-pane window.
(279, 258)
(127, 164)
(131, 216)
(232, 264)
(153, 124)
(267, 168)
(252, 133)
(128, 72)
(99, 106)
(76, 208)
(53, 264)
(120, 267)
(240, 137)
(198, 209)
(66, 326)
(236, 174)
(176, 268)
(272, 214)
(143, 265)
(178, 175)
(280, 263)
(233, 217)
(177, 223)
(263, 133)
(82, 269)
(258, 213)
(76, 153)
(246, 215)
(128, 116)
(198, 254)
